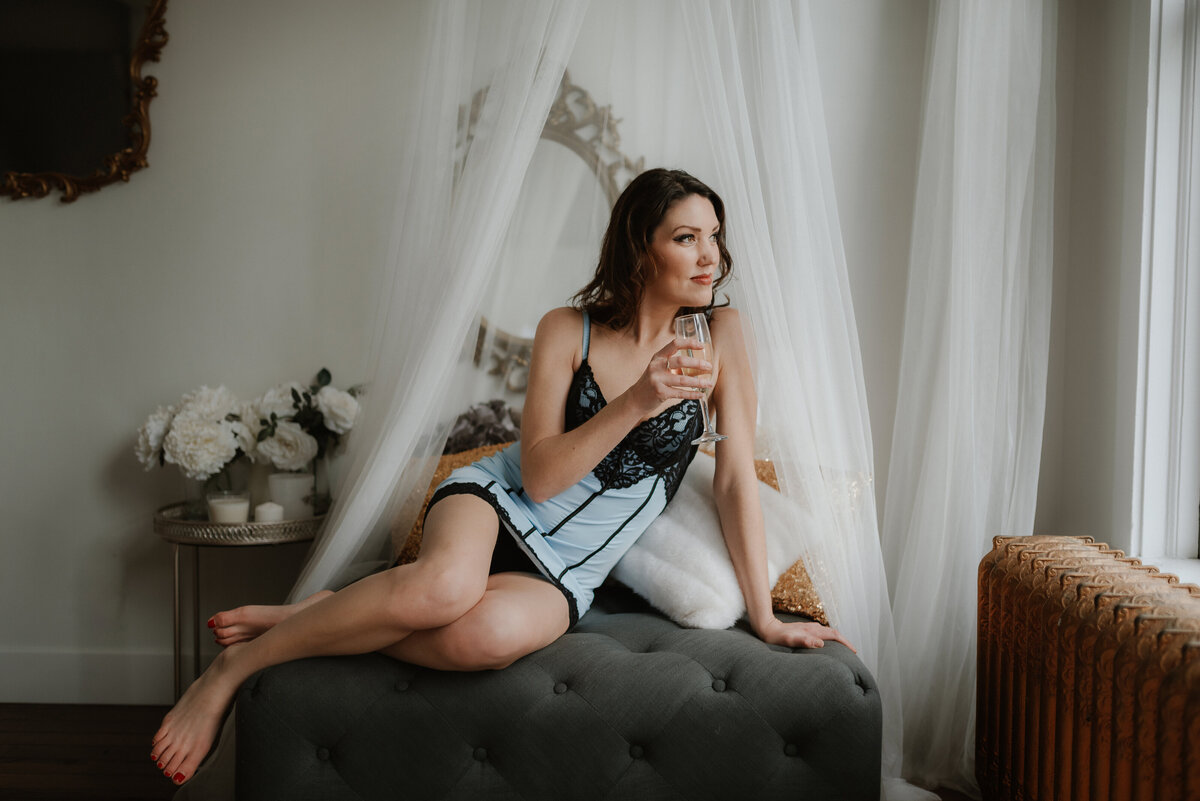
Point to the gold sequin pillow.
(794, 591)
(407, 549)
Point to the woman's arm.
(735, 488)
(553, 459)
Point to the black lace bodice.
(659, 445)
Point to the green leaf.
(324, 377)
(296, 398)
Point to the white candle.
(229, 510)
(289, 490)
(268, 512)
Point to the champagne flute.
(695, 326)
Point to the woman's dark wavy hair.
(626, 264)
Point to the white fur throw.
(681, 565)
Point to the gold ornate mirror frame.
(581, 126)
(589, 131)
(118, 166)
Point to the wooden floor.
(66, 752)
(93, 753)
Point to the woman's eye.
(685, 238)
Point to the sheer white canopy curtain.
(972, 395)
(455, 199)
(727, 90)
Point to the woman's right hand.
(663, 379)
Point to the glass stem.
(704, 415)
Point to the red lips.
(706, 279)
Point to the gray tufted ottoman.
(626, 706)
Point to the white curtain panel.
(763, 112)
(455, 201)
(971, 401)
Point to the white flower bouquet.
(290, 427)
(300, 425)
(203, 434)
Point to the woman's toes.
(230, 638)
(223, 620)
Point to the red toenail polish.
(179, 777)
(212, 622)
(160, 766)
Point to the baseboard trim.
(55, 676)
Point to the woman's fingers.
(834, 634)
(681, 343)
(810, 635)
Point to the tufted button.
(790, 749)
(480, 754)
(401, 686)
(719, 685)
(322, 754)
(636, 751)
(560, 688)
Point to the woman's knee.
(433, 594)
(487, 641)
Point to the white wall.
(241, 256)
(1086, 480)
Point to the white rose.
(290, 449)
(200, 448)
(208, 404)
(338, 408)
(278, 400)
(150, 437)
(247, 429)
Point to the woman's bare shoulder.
(561, 321)
(560, 333)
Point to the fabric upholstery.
(627, 705)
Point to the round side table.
(170, 525)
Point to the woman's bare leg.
(446, 581)
(518, 614)
(247, 622)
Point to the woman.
(514, 545)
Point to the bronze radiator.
(1088, 683)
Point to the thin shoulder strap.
(587, 334)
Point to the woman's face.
(685, 253)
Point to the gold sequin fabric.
(794, 591)
(411, 545)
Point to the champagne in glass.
(695, 326)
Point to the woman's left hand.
(799, 635)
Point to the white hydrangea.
(150, 437)
(207, 404)
(290, 449)
(337, 407)
(200, 448)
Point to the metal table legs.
(196, 623)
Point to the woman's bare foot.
(190, 728)
(247, 622)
